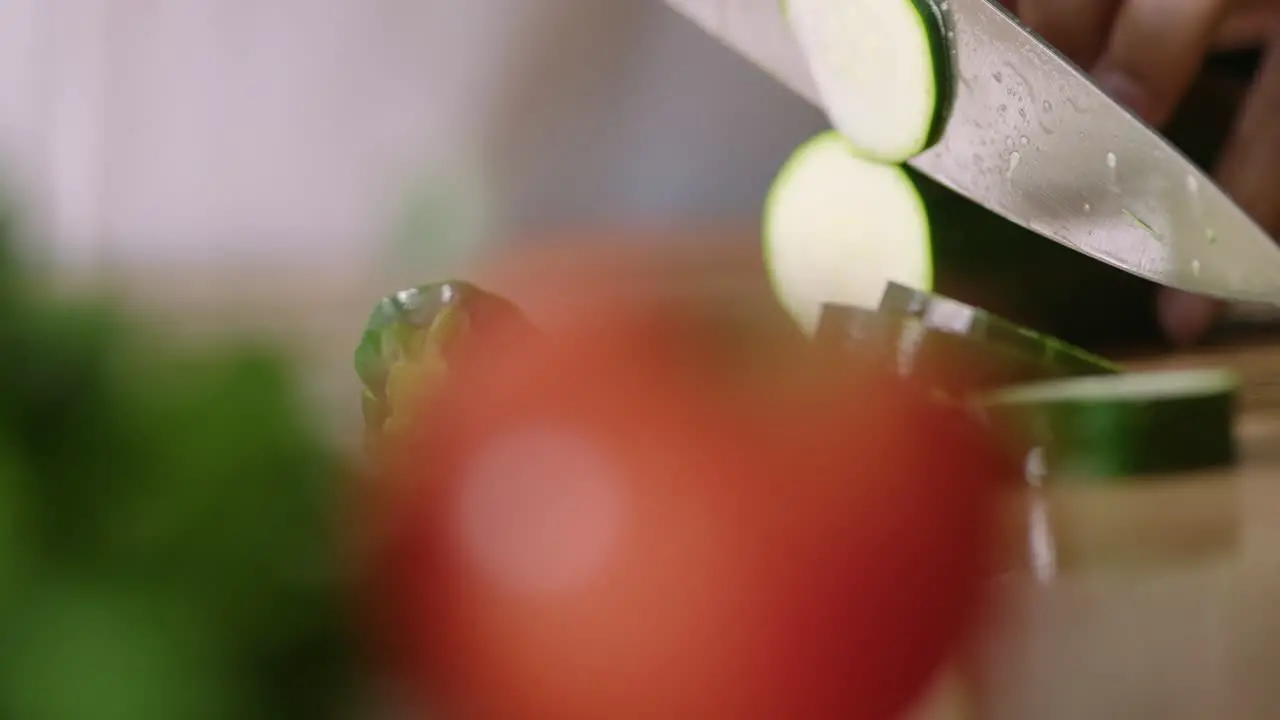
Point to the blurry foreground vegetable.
(168, 545)
(658, 511)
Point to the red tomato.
(634, 518)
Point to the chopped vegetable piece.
(944, 314)
(1110, 426)
(838, 227)
(410, 339)
(883, 69)
(908, 345)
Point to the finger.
(1249, 168)
(1247, 28)
(1185, 318)
(1077, 28)
(1154, 52)
(1249, 171)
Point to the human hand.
(1146, 54)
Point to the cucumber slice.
(905, 346)
(941, 313)
(883, 69)
(1111, 426)
(959, 361)
(837, 227)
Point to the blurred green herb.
(169, 529)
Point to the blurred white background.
(283, 163)
(179, 133)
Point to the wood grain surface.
(1161, 597)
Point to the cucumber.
(943, 314)
(1114, 426)
(837, 228)
(883, 69)
(957, 363)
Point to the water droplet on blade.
(1015, 157)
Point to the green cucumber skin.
(984, 260)
(937, 24)
(1107, 441)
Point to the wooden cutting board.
(1183, 517)
(1160, 597)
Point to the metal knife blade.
(1033, 139)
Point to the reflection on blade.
(1031, 138)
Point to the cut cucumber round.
(1111, 426)
(937, 312)
(883, 69)
(907, 346)
(962, 352)
(837, 227)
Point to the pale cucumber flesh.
(838, 228)
(1128, 387)
(882, 69)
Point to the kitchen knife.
(1033, 139)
